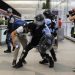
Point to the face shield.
(9, 11)
(39, 20)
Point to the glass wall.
(63, 6)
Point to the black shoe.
(14, 62)
(18, 65)
(24, 61)
(7, 51)
(51, 64)
(43, 61)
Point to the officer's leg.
(8, 42)
(50, 60)
(53, 54)
(47, 59)
(43, 52)
(23, 55)
(44, 61)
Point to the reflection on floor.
(64, 65)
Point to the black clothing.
(36, 36)
(36, 33)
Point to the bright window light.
(55, 3)
(30, 2)
(22, 2)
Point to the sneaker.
(14, 62)
(7, 51)
(18, 65)
(43, 61)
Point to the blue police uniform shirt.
(47, 22)
(46, 30)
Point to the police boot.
(8, 50)
(44, 61)
(51, 62)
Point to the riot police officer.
(35, 29)
(49, 22)
(11, 20)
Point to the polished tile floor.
(64, 65)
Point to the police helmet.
(47, 13)
(39, 19)
(9, 10)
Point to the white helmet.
(9, 10)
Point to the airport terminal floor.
(64, 65)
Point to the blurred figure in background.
(11, 20)
(59, 23)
